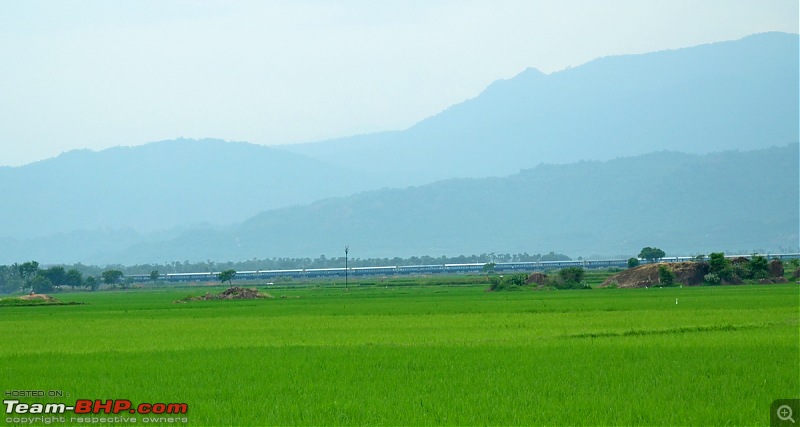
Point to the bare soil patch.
(234, 292)
(686, 273)
(43, 297)
(538, 278)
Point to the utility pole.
(346, 250)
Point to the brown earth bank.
(686, 273)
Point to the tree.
(488, 268)
(633, 262)
(73, 278)
(717, 262)
(552, 256)
(651, 254)
(28, 269)
(10, 278)
(112, 277)
(227, 276)
(154, 275)
(720, 266)
(57, 275)
(91, 283)
(40, 284)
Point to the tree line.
(30, 276)
(332, 262)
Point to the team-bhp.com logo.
(85, 406)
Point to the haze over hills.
(176, 200)
(679, 202)
(682, 203)
(162, 185)
(739, 94)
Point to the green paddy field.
(418, 355)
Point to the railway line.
(501, 267)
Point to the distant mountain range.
(678, 202)
(162, 185)
(682, 203)
(201, 199)
(739, 94)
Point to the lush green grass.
(421, 354)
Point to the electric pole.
(346, 250)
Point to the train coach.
(467, 268)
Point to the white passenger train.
(500, 267)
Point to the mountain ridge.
(162, 185)
(583, 208)
(740, 95)
(683, 203)
(735, 94)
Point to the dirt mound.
(43, 297)
(234, 292)
(538, 278)
(686, 273)
(241, 293)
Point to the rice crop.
(416, 355)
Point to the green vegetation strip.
(19, 302)
(416, 355)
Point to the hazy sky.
(96, 74)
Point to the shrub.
(712, 279)
(495, 283)
(665, 276)
(759, 267)
(633, 262)
(507, 283)
(519, 279)
(726, 273)
(741, 270)
(572, 274)
(717, 262)
(569, 278)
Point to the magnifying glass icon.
(785, 413)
